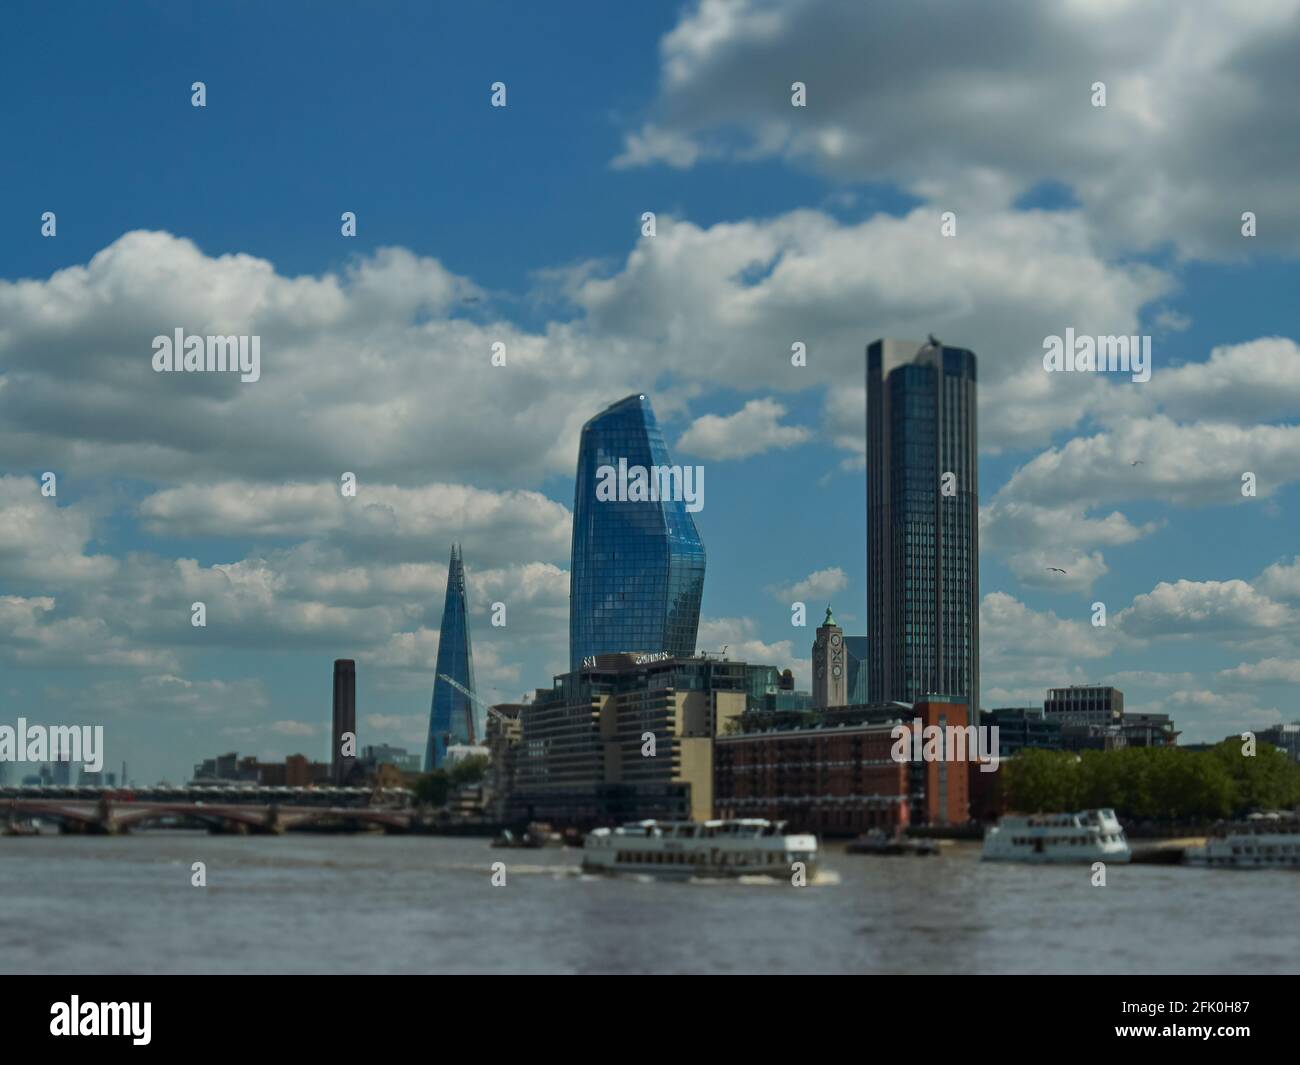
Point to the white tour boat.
(1262, 841)
(747, 847)
(1087, 836)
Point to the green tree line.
(1153, 783)
(434, 788)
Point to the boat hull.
(712, 849)
(782, 871)
(1222, 856)
(1080, 838)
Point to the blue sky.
(522, 224)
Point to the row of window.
(1073, 841)
(733, 859)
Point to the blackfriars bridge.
(247, 810)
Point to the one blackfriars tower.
(637, 574)
(922, 523)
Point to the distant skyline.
(775, 227)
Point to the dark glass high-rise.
(637, 574)
(922, 542)
(451, 715)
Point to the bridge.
(247, 811)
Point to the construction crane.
(491, 710)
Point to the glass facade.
(452, 714)
(637, 573)
(856, 655)
(922, 541)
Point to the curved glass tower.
(637, 572)
(451, 717)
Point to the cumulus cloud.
(39, 538)
(1252, 382)
(355, 365)
(819, 585)
(752, 430)
(1231, 610)
(354, 373)
(746, 291)
(740, 637)
(403, 522)
(1181, 464)
(1039, 540)
(1281, 580)
(1265, 671)
(971, 106)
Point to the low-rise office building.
(1023, 726)
(1085, 704)
(625, 737)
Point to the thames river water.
(422, 904)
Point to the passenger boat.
(745, 847)
(1086, 836)
(537, 834)
(1262, 841)
(876, 842)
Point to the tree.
(1039, 780)
(433, 788)
(468, 770)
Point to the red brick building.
(834, 771)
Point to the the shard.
(452, 716)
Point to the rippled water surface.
(318, 904)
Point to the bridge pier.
(88, 828)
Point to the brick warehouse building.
(833, 771)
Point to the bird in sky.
(1137, 462)
(1055, 569)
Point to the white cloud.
(1281, 580)
(752, 430)
(401, 522)
(970, 106)
(1039, 540)
(1231, 610)
(817, 586)
(740, 637)
(1265, 671)
(1182, 464)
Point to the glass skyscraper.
(637, 573)
(452, 715)
(855, 648)
(922, 528)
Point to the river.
(423, 904)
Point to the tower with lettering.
(830, 669)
